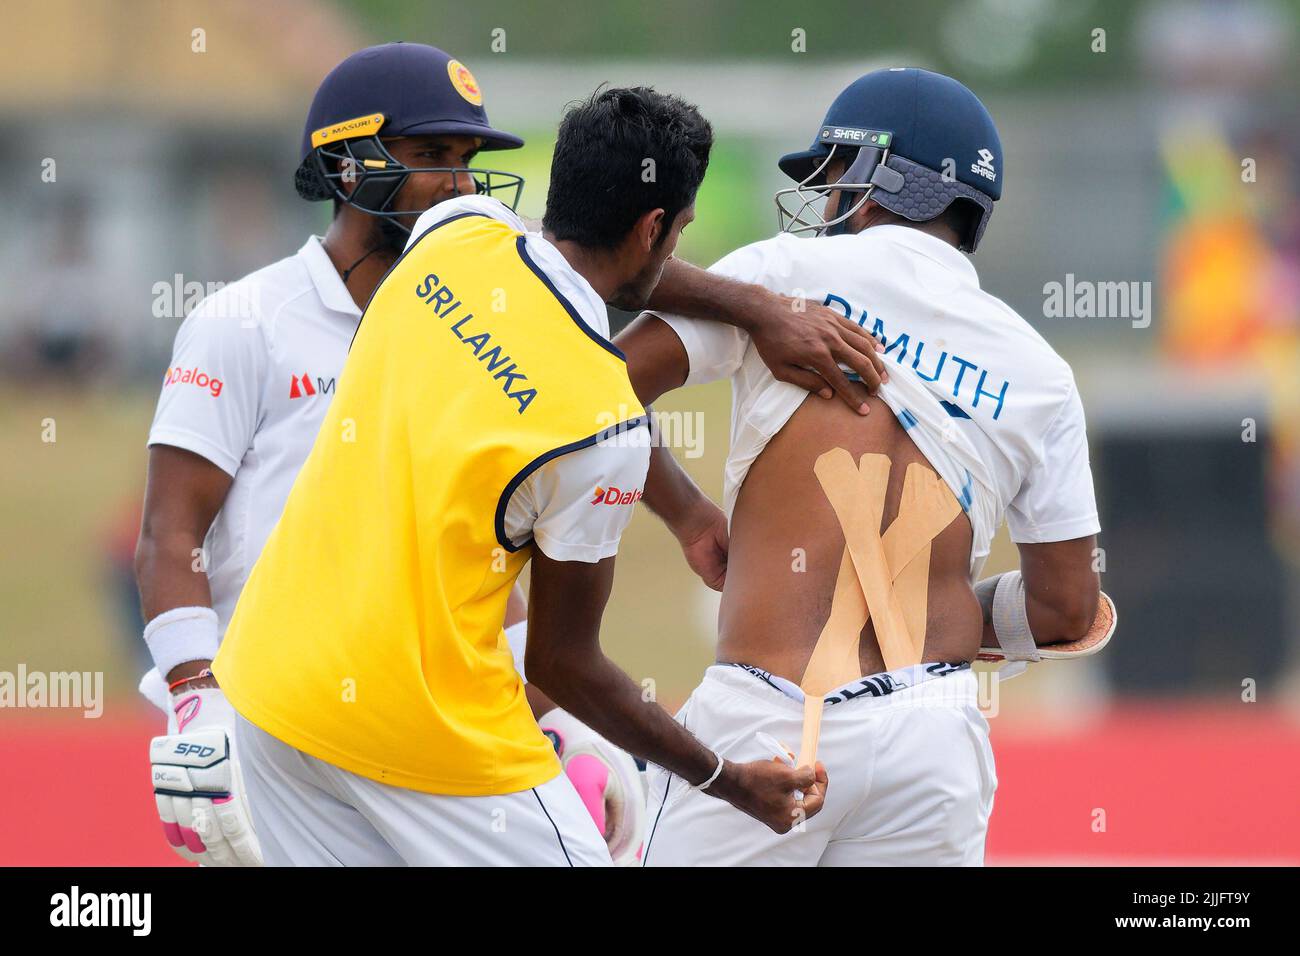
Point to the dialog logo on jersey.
(192, 376)
(616, 496)
(302, 387)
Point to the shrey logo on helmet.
(899, 134)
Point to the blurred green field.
(58, 502)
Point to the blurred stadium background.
(1181, 744)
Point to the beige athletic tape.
(858, 498)
(834, 659)
(926, 508)
(890, 573)
(912, 585)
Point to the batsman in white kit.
(852, 607)
(254, 370)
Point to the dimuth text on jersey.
(977, 386)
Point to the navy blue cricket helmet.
(396, 89)
(916, 142)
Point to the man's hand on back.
(805, 343)
(802, 342)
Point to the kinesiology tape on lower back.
(834, 655)
(886, 576)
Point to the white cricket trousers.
(311, 813)
(911, 778)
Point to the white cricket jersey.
(253, 370)
(984, 397)
(256, 364)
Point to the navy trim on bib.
(606, 344)
(407, 251)
(513, 485)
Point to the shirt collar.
(329, 284)
(929, 246)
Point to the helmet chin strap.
(841, 207)
(348, 271)
(391, 238)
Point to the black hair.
(961, 216)
(620, 154)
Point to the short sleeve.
(715, 350)
(576, 506)
(211, 392)
(1056, 501)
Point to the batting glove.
(607, 780)
(198, 787)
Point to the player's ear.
(863, 217)
(649, 229)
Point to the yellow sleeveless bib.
(369, 633)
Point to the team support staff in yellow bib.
(381, 717)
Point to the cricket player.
(908, 164)
(381, 720)
(392, 131)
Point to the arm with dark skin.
(1061, 591)
(657, 364)
(801, 342)
(564, 659)
(516, 611)
(183, 494)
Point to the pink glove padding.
(590, 778)
(606, 779)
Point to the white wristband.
(181, 635)
(717, 772)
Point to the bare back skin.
(772, 614)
